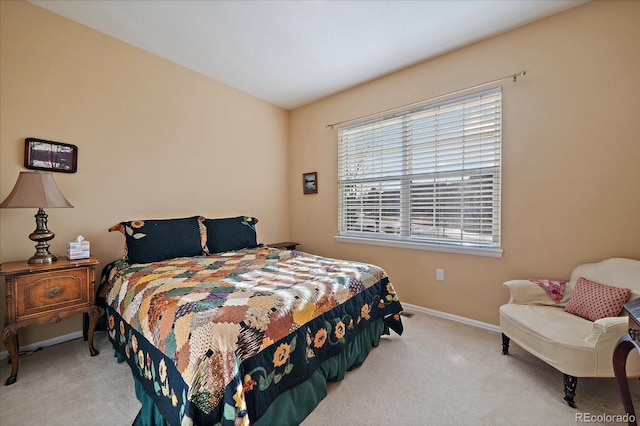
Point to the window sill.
(475, 251)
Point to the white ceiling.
(290, 53)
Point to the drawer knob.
(54, 291)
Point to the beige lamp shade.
(35, 189)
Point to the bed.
(218, 329)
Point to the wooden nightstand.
(46, 293)
(287, 245)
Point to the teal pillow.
(232, 233)
(156, 240)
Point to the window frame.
(406, 237)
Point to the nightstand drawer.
(49, 291)
(633, 309)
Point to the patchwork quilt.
(215, 339)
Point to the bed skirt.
(294, 405)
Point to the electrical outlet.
(440, 274)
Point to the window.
(426, 178)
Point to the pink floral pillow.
(591, 300)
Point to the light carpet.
(439, 372)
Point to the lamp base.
(42, 235)
(45, 258)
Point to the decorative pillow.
(591, 300)
(553, 288)
(232, 233)
(155, 240)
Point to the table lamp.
(37, 190)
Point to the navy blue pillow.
(232, 233)
(156, 240)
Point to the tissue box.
(78, 250)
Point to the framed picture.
(310, 183)
(51, 156)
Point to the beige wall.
(571, 157)
(155, 140)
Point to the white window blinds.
(429, 175)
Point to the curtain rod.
(477, 86)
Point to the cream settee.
(575, 346)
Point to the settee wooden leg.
(505, 344)
(570, 384)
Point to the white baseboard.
(45, 343)
(464, 320)
(452, 317)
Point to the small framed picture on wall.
(310, 183)
(40, 154)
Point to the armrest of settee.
(525, 292)
(609, 328)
